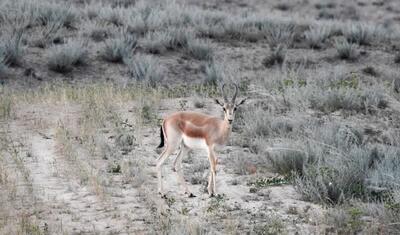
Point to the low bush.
(359, 33)
(213, 74)
(397, 58)
(199, 49)
(367, 100)
(63, 58)
(277, 56)
(179, 38)
(316, 36)
(156, 42)
(12, 48)
(48, 13)
(278, 33)
(345, 167)
(119, 49)
(145, 69)
(346, 50)
(3, 66)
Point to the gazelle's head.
(229, 106)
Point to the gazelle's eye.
(234, 109)
(224, 109)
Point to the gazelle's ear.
(218, 102)
(241, 102)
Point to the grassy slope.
(321, 79)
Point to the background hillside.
(85, 84)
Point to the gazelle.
(193, 130)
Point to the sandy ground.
(67, 205)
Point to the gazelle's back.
(195, 118)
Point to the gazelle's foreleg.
(179, 170)
(213, 169)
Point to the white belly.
(194, 143)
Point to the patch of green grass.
(216, 203)
(355, 223)
(273, 225)
(170, 201)
(6, 105)
(349, 82)
(265, 182)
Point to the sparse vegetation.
(119, 49)
(3, 66)
(200, 50)
(359, 33)
(314, 149)
(63, 58)
(145, 69)
(277, 56)
(274, 225)
(13, 50)
(279, 33)
(346, 50)
(157, 42)
(48, 13)
(317, 35)
(397, 58)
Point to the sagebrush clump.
(145, 69)
(346, 50)
(63, 58)
(118, 49)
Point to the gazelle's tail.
(161, 137)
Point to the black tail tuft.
(161, 137)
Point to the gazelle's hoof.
(163, 195)
(212, 195)
(190, 194)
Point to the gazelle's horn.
(223, 93)
(236, 92)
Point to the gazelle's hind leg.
(179, 170)
(172, 144)
(213, 168)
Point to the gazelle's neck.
(225, 131)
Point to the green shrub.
(397, 58)
(179, 38)
(63, 58)
(145, 69)
(47, 13)
(359, 33)
(344, 167)
(277, 56)
(366, 100)
(3, 66)
(279, 33)
(156, 42)
(346, 50)
(12, 48)
(119, 49)
(316, 36)
(213, 74)
(199, 49)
